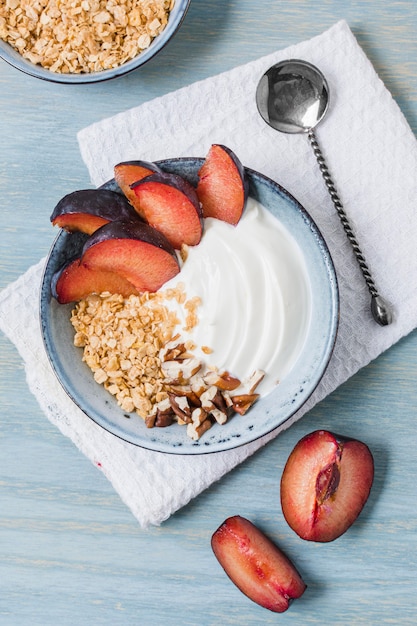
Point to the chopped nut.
(220, 403)
(198, 416)
(255, 379)
(150, 420)
(180, 406)
(184, 390)
(161, 416)
(195, 432)
(241, 403)
(207, 397)
(181, 371)
(197, 385)
(219, 416)
(173, 351)
(222, 381)
(163, 406)
(164, 419)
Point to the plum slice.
(88, 209)
(129, 172)
(325, 484)
(75, 281)
(170, 204)
(256, 565)
(222, 187)
(135, 250)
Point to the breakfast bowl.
(294, 311)
(106, 58)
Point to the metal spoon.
(293, 97)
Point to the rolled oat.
(121, 339)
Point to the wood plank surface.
(70, 551)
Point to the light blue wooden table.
(70, 551)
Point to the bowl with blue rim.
(272, 410)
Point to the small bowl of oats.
(86, 41)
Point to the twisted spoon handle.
(379, 308)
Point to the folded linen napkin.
(372, 155)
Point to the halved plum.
(74, 281)
(87, 210)
(170, 204)
(222, 188)
(135, 250)
(325, 484)
(129, 172)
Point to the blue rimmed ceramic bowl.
(177, 15)
(269, 412)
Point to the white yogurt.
(255, 292)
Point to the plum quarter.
(135, 251)
(129, 172)
(87, 210)
(170, 204)
(222, 187)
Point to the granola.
(82, 36)
(121, 339)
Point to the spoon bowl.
(293, 97)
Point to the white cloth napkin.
(372, 155)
